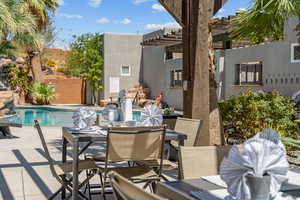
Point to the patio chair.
(61, 171)
(130, 144)
(195, 162)
(125, 190)
(191, 128)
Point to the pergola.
(199, 101)
(171, 38)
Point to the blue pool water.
(48, 116)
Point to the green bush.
(60, 70)
(19, 80)
(249, 113)
(42, 93)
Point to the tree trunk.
(37, 70)
(94, 97)
(34, 65)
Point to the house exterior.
(159, 72)
(163, 63)
(239, 67)
(122, 55)
(130, 59)
(267, 67)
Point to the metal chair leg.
(102, 185)
(55, 194)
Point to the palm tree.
(264, 20)
(41, 9)
(31, 44)
(34, 43)
(14, 19)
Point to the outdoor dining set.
(136, 157)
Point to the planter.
(259, 187)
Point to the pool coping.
(71, 107)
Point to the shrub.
(51, 63)
(60, 70)
(249, 113)
(42, 93)
(19, 80)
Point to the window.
(227, 44)
(295, 53)
(169, 55)
(176, 78)
(249, 74)
(125, 71)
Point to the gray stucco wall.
(277, 65)
(157, 73)
(121, 50)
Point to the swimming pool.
(48, 116)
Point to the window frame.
(122, 74)
(179, 82)
(167, 54)
(293, 45)
(258, 80)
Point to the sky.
(76, 17)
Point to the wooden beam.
(175, 48)
(218, 4)
(174, 8)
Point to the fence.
(70, 91)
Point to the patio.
(24, 171)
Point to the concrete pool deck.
(24, 171)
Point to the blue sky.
(75, 17)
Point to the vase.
(259, 187)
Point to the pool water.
(48, 116)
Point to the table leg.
(75, 170)
(64, 160)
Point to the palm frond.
(264, 20)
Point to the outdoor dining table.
(183, 189)
(75, 137)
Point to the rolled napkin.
(262, 161)
(151, 116)
(84, 118)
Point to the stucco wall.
(121, 50)
(156, 75)
(276, 59)
(277, 65)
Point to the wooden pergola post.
(194, 16)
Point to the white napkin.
(263, 154)
(84, 118)
(151, 116)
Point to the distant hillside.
(59, 56)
